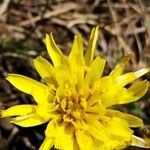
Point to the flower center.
(72, 105)
(76, 107)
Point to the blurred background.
(124, 28)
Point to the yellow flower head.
(75, 99)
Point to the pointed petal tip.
(89, 55)
(119, 68)
(97, 27)
(46, 37)
(142, 72)
(37, 58)
(9, 76)
(101, 57)
(126, 58)
(147, 83)
(2, 114)
(30, 120)
(139, 142)
(129, 55)
(49, 35)
(96, 30)
(54, 52)
(78, 37)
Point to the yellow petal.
(98, 131)
(63, 76)
(124, 79)
(64, 138)
(105, 90)
(85, 140)
(44, 68)
(139, 142)
(54, 52)
(77, 47)
(118, 70)
(111, 96)
(137, 90)
(38, 90)
(62, 135)
(47, 144)
(132, 121)
(19, 110)
(50, 131)
(133, 93)
(141, 72)
(76, 60)
(93, 99)
(95, 70)
(131, 76)
(28, 120)
(119, 129)
(91, 46)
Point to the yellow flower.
(76, 99)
